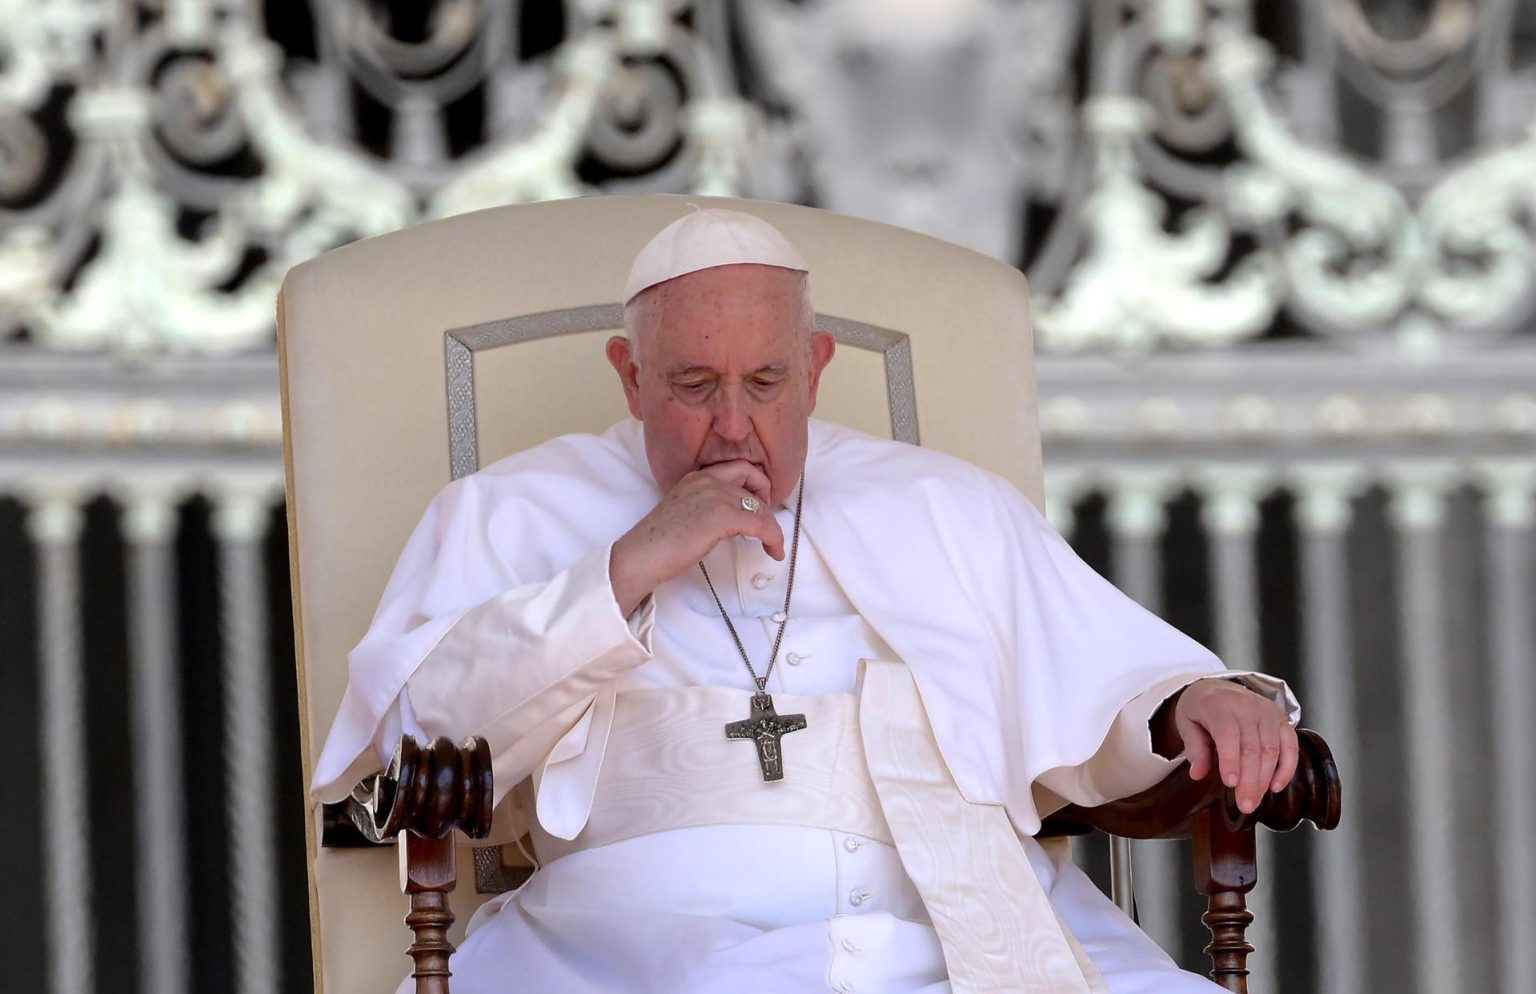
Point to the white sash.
(998, 929)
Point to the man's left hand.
(1245, 736)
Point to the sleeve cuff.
(642, 619)
(1272, 689)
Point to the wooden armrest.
(1226, 855)
(423, 796)
(1168, 809)
(427, 790)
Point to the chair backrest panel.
(498, 372)
(375, 337)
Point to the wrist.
(1166, 740)
(630, 586)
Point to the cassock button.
(858, 897)
(761, 580)
(794, 658)
(853, 843)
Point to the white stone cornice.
(91, 403)
(1290, 401)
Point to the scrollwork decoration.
(1179, 175)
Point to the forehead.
(741, 308)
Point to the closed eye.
(766, 380)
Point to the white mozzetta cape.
(1024, 656)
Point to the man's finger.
(1252, 759)
(1228, 739)
(1290, 755)
(771, 535)
(743, 474)
(1197, 747)
(1269, 760)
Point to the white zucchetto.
(707, 237)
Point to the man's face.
(726, 369)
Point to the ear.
(822, 348)
(623, 363)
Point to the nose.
(732, 422)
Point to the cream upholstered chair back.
(414, 357)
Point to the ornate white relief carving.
(1476, 227)
(1137, 286)
(541, 166)
(937, 116)
(1169, 178)
(312, 194)
(1352, 263)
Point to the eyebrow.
(682, 372)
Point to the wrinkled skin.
(721, 368)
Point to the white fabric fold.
(565, 785)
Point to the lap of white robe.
(759, 910)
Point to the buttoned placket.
(760, 583)
(857, 895)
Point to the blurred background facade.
(1284, 268)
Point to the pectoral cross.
(765, 726)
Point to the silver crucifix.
(765, 726)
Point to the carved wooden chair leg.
(426, 795)
(429, 877)
(1226, 868)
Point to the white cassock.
(962, 672)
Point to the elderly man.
(779, 704)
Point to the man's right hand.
(693, 517)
